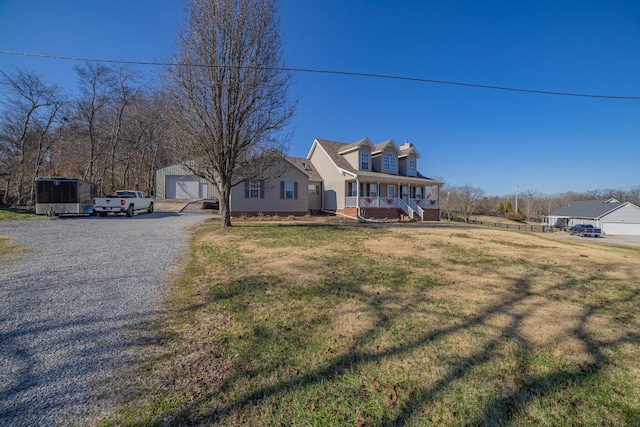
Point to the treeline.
(116, 129)
(111, 131)
(466, 201)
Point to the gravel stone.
(68, 302)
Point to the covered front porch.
(382, 200)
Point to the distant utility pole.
(516, 199)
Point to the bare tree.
(92, 108)
(230, 92)
(125, 94)
(447, 200)
(461, 200)
(468, 199)
(30, 111)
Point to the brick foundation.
(389, 213)
(275, 214)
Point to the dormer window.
(364, 161)
(412, 168)
(390, 162)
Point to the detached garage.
(610, 215)
(177, 182)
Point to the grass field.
(296, 324)
(16, 213)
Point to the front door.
(404, 192)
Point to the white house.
(610, 215)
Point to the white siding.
(621, 228)
(334, 186)
(625, 220)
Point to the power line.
(333, 72)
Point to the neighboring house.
(358, 180)
(363, 180)
(178, 182)
(610, 215)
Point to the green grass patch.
(9, 214)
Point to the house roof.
(335, 150)
(382, 145)
(588, 209)
(407, 148)
(346, 148)
(332, 148)
(306, 166)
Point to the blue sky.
(491, 139)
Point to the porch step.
(405, 217)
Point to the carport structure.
(610, 215)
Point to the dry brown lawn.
(295, 323)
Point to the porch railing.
(414, 206)
(419, 205)
(406, 208)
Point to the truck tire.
(150, 210)
(130, 211)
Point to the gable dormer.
(358, 154)
(385, 157)
(408, 160)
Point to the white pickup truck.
(123, 201)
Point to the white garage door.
(182, 187)
(621, 228)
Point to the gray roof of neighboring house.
(588, 209)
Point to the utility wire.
(343, 73)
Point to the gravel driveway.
(68, 302)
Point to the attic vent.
(306, 167)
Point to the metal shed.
(177, 182)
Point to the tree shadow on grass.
(505, 408)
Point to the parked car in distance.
(585, 230)
(123, 201)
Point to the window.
(314, 189)
(373, 190)
(417, 192)
(288, 190)
(352, 190)
(254, 190)
(391, 191)
(412, 168)
(389, 162)
(364, 161)
(368, 190)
